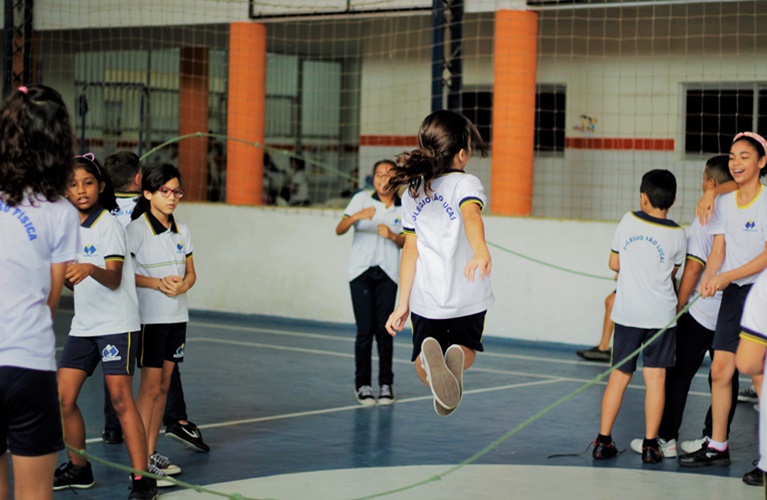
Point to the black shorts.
(160, 343)
(659, 354)
(465, 331)
(30, 418)
(117, 353)
(727, 333)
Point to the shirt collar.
(93, 217)
(639, 214)
(157, 227)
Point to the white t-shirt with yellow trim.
(699, 243)
(440, 290)
(159, 252)
(99, 310)
(744, 229)
(649, 248)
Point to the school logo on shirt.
(750, 226)
(397, 221)
(89, 249)
(110, 353)
(180, 247)
(179, 352)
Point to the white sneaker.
(161, 483)
(693, 445)
(164, 464)
(365, 396)
(667, 447)
(454, 361)
(442, 382)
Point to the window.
(477, 106)
(714, 115)
(550, 118)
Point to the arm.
(475, 233)
(57, 280)
(705, 206)
(614, 263)
(348, 222)
(692, 271)
(750, 356)
(176, 285)
(407, 266)
(754, 266)
(111, 277)
(385, 232)
(713, 264)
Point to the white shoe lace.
(365, 391)
(160, 461)
(153, 469)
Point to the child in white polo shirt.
(445, 265)
(162, 248)
(39, 237)
(647, 249)
(376, 216)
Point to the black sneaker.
(748, 395)
(187, 434)
(386, 396)
(604, 451)
(142, 489)
(69, 475)
(754, 477)
(365, 396)
(594, 354)
(112, 436)
(705, 457)
(651, 454)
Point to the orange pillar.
(194, 87)
(516, 53)
(246, 113)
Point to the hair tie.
(758, 138)
(90, 158)
(23, 89)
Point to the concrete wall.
(289, 262)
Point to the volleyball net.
(619, 88)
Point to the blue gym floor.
(275, 401)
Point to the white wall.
(289, 262)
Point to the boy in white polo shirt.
(373, 276)
(647, 249)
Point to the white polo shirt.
(368, 248)
(699, 243)
(440, 290)
(126, 202)
(744, 229)
(160, 252)
(649, 248)
(33, 236)
(99, 310)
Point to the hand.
(384, 231)
(705, 206)
(76, 273)
(365, 214)
(172, 285)
(718, 282)
(481, 263)
(397, 319)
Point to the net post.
(193, 98)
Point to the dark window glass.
(550, 120)
(478, 107)
(714, 116)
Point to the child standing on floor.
(738, 255)
(162, 248)
(647, 250)
(104, 328)
(445, 264)
(39, 237)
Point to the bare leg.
(70, 382)
(757, 381)
(722, 371)
(612, 400)
(655, 395)
(148, 394)
(607, 325)
(159, 407)
(121, 394)
(33, 476)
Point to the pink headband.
(23, 89)
(90, 157)
(758, 138)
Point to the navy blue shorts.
(727, 333)
(30, 418)
(627, 339)
(465, 331)
(116, 352)
(160, 343)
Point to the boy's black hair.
(660, 188)
(91, 165)
(122, 167)
(718, 168)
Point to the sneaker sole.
(172, 471)
(76, 486)
(443, 384)
(713, 463)
(636, 446)
(186, 443)
(454, 358)
(385, 401)
(366, 401)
